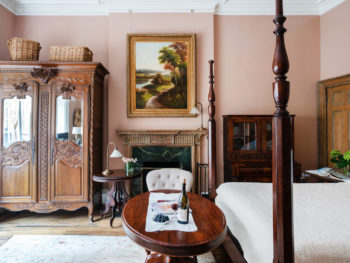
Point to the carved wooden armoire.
(51, 134)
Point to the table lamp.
(76, 131)
(115, 154)
(195, 110)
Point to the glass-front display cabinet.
(248, 148)
(51, 134)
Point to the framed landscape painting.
(161, 75)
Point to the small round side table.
(117, 194)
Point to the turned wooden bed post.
(211, 136)
(283, 239)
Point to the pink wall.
(7, 27)
(241, 45)
(244, 47)
(106, 37)
(122, 24)
(335, 42)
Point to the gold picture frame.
(161, 75)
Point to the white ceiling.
(220, 7)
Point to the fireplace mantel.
(170, 138)
(161, 137)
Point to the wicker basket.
(23, 49)
(69, 53)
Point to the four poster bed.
(263, 225)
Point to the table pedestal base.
(117, 199)
(159, 258)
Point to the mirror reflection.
(17, 119)
(69, 120)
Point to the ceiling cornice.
(219, 7)
(327, 5)
(258, 7)
(9, 5)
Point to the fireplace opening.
(157, 157)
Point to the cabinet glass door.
(69, 170)
(245, 136)
(18, 147)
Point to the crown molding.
(327, 5)
(218, 7)
(9, 5)
(258, 7)
(105, 7)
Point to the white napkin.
(152, 226)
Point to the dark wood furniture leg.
(120, 199)
(110, 202)
(116, 202)
(90, 213)
(283, 240)
(211, 136)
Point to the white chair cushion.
(169, 178)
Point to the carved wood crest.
(67, 90)
(17, 153)
(45, 74)
(69, 153)
(21, 88)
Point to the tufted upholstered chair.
(169, 178)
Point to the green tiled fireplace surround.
(161, 156)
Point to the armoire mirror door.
(69, 135)
(18, 111)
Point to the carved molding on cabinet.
(45, 74)
(17, 153)
(44, 207)
(43, 147)
(68, 152)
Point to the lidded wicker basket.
(70, 53)
(23, 49)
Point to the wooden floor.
(67, 223)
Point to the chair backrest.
(169, 178)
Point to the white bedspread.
(321, 220)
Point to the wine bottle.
(183, 206)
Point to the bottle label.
(182, 215)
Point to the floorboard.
(67, 223)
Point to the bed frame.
(283, 239)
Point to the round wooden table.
(175, 246)
(117, 195)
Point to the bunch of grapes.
(160, 218)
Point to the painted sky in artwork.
(147, 54)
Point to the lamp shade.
(116, 153)
(194, 110)
(76, 130)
